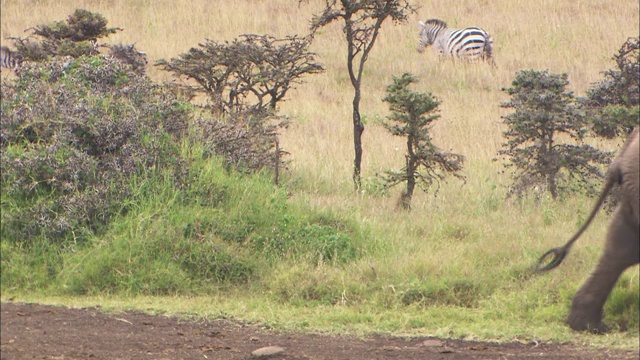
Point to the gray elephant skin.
(622, 247)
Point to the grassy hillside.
(457, 264)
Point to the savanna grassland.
(457, 264)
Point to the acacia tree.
(544, 112)
(362, 20)
(613, 104)
(244, 80)
(252, 73)
(75, 37)
(411, 114)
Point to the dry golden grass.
(574, 37)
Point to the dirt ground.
(32, 331)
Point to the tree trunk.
(551, 184)
(358, 129)
(277, 163)
(407, 195)
(550, 170)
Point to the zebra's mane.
(436, 22)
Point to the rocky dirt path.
(32, 331)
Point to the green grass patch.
(222, 229)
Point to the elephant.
(622, 247)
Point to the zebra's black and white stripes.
(9, 59)
(470, 44)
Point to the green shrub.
(75, 37)
(543, 110)
(72, 132)
(613, 103)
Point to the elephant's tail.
(613, 176)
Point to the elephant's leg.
(620, 252)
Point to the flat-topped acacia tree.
(243, 80)
(252, 73)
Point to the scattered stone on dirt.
(432, 343)
(267, 351)
(33, 331)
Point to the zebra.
(471, 43)
(9, 59)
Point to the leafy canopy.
(544, 117)
(411, 115)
